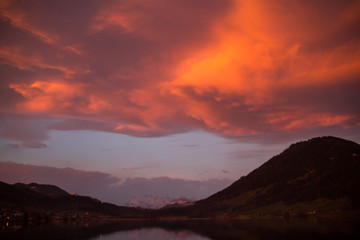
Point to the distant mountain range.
(320, 176)
(158, 202)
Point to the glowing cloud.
(146, 69)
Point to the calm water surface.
(152, 234)
(308, 229)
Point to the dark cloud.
(13, 145)
(338, 97)
(34, 145)
(106, 187)
(30, 131)
(8, 97)
(37, 145)
(71, 180)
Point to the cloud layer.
(108, 188)
(148, 69)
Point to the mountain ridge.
(320, 168)
(25, 200)
(296, 148)
(47, 189)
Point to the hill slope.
(46, 189)
(50, 201)
(321, 175)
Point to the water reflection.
(190, 230)
(152, 234)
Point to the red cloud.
(152, 69)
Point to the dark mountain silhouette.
(46, 189)
(318, 176)
(48, 200)
(323, 169)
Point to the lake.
(309, 228)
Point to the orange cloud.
(156, 68)
(250, 54)
(14, 56)
(18, 19)
(316, 120)
(44, 96)
(117, 16)
(259, 52)
(297, 120)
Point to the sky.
(192, 90)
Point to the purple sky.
(184, 89)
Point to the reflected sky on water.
(152, 234)
(308, 228)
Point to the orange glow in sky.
(234, 68)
